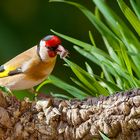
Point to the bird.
(33, 66)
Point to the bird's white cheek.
(42, 43)
(44, 53)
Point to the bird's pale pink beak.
(62, 51)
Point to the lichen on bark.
(117, 116)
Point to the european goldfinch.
(31, 67)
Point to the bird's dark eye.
(52, 48)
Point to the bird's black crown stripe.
(48, 37)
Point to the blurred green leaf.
(136, 7)
(61, 96)
(126, 59)
(92, 39)
(84, 45)
(87, 90)
(89, 69)
(130, 16)
(6, 90)
(112, 87)
(103, 136)
(63, 85)
(113, 19)
(87, 80)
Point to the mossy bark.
(117, 116)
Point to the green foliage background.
(24, 22)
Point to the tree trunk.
(117, 116)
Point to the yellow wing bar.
(6, 71)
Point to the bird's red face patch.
(52, 53)
(54, 41)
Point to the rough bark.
(117, 116)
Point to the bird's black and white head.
(50, 46)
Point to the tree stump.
(117, 116)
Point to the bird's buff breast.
(39, 70)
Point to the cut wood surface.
(117, 116)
